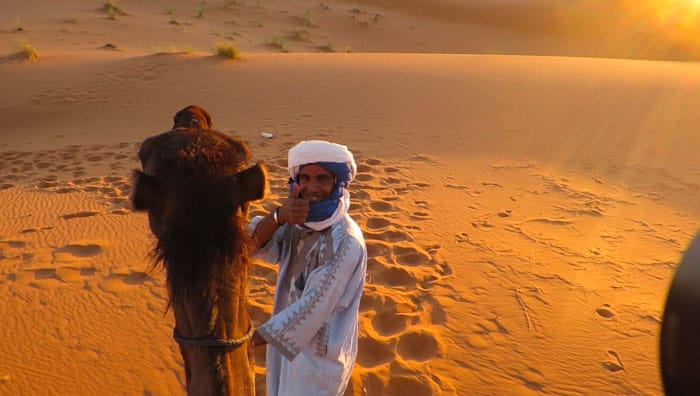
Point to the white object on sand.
(267, 135)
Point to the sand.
(527, 183)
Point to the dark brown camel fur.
(192, 116)
(196, 189)
(679, 344)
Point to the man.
(323, 261)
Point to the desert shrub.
(27, 50)
(227, 50)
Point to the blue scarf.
(325, 209)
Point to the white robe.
(312, 333)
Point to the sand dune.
(527, 182)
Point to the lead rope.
(214, 342)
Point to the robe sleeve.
(291, 329)
(270, 251)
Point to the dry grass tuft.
(112, 9)
(276, 42)
(27, 51)
(171, 49)
(326, 48)
(227, 50)
(299, 35)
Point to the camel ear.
(144, 191)
(210, 123)
(250, 183)
(177, 118)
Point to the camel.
(196, 189)
(679, 341)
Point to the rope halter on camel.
(214, 342)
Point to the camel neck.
(218, 370)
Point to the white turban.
(313, 151)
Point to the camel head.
(194, 176)
(192, 116)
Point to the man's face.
(315, 183)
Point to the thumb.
(294, 191)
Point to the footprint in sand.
(68, 163)
(278, 167)
(415, 385)
(382, 206)
(76, 250)
(477, 342)
(612, 362)
(504, 213)
(481, 224)
(423, 204)
(419, 185)
(373, 353)
(15, 244)
(419, 216)
(423, 158)
(402, 190)
(462, 237)
(67, 274)
(605, 311)
(388, 236)
(377, 223)
(377, 248)
(78, 215)
(364, 177)
(390, 275)
(393, 314)
(120, 280)
(457, 187)
(419, 345)
(430, 309)
(14, 250)
(485, 333)
(389, 322)
(531, 378)
(361, 196)
(391, 169)
(74, 274)
(411, 255)
(390, 181)
(67, 265)
(365, 169)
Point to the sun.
(676, 14)
(680, 3)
